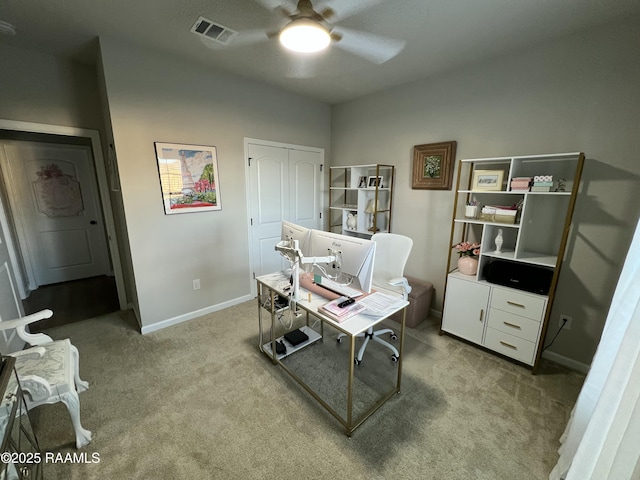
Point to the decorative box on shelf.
(520, 184)
(543, 178)
(499, 214)
(544, 183)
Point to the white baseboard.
(567, 362)
(195, 314)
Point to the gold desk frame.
(265, 288)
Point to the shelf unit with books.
(499, 316)
(361, 199)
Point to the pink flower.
(468, 249)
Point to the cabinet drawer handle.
(508, 345)
(513, 325)
(514, 304)
(481, 314)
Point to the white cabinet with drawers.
(514, 322)
(502, 319)
(510, 321)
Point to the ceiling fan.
(310, 29)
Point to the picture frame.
(433, 165)
(375, 181)
(189, 179)
(362, 181)
(487, 180)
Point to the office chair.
(392, 252)
(48, 371)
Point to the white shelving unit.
(359, 204)
(507, 320)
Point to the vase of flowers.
(468, 261)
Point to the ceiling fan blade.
(248, 37)
(345, 8)
(286, 5)
(373, 47)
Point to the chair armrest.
(26, 320)
(20, 323)
(35, 387)
(32, 353)
(401, 282)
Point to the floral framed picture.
(490, 180)
(188, 178)
(433, 166)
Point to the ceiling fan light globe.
(305, 36)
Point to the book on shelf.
(541, 188)
(340, 314)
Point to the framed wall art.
(433, 166)
(487, 180)
(188, 178)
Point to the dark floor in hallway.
(73, 301)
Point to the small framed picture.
(375, 181)
(362, 182)
(487, 180)
(433, 165)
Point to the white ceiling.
(439, 34)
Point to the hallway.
(73, 301)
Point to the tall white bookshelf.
(361, 199)
(510, 321)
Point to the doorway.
(86, 279)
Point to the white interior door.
(285, 183)
(10, 304)
(269, 204)
(54, 199)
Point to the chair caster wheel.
(394, 358)
(393, 337)
(356, 361)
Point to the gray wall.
(43, 89)
(153, 98)
(577, 94)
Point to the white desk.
(269, 286)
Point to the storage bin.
(419, 303)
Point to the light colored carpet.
(199, 400)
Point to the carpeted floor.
(199, 400)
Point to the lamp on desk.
(372, 207)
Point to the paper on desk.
(379, 304)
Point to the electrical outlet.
(566, 325)
(196, 284)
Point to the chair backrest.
(392, 252)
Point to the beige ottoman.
(419, 302)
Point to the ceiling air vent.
(214, 31)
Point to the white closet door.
(269, 198)
(285, 183)
(305, 181)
